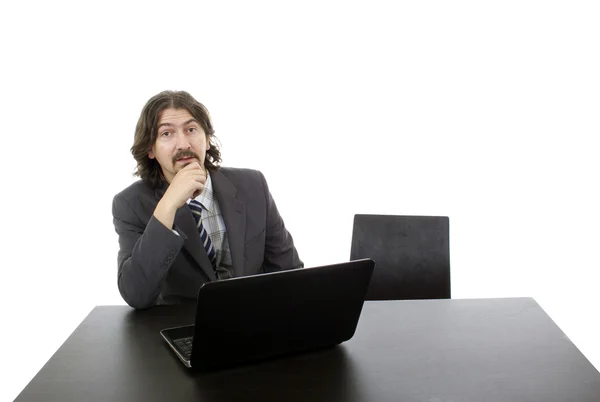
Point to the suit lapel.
(192, 244)
(234, 216)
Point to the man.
(188, 220)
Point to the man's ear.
(151, 154)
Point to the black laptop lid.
(262, 316)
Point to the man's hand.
(187, 183)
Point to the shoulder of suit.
(134, 191)
(236, 174)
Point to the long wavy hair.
(146, 132)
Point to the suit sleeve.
(146, 252)
(280, 252)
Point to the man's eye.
(192, 129)
(166, 134)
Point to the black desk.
(434, 350)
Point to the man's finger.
(192, 166)
(196, 175)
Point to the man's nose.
(182, 141)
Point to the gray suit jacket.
(156, 266)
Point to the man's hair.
(146, 132)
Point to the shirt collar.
(206, 197)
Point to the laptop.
(253, 318)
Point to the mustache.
(185, 154)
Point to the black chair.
(411, 254)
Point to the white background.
(486, 112)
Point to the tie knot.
(196, 209)
(195, 205)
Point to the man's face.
(180, 141)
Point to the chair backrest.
(411, 254)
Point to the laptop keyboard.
(185, 346)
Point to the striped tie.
(197, 214)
